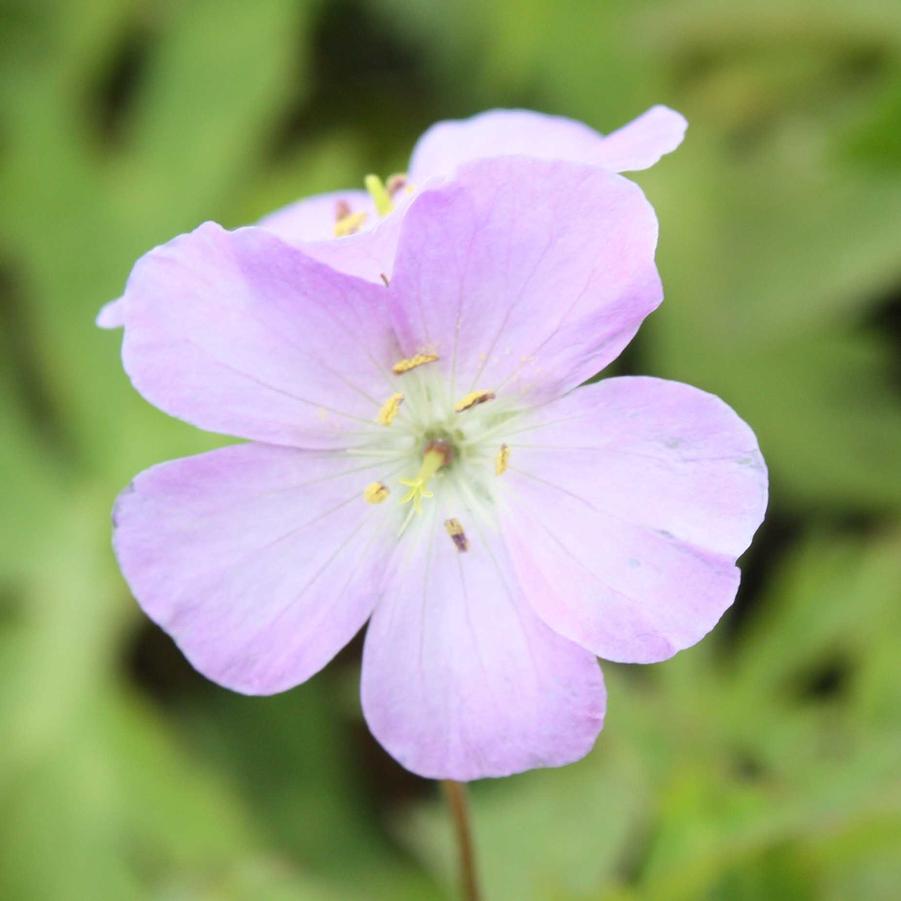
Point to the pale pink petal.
(525, 276)
(625, 505)
(368, 253)
(460, 679)
(261, 562)
(446, 146)
(641, 143)
(238, 332)
(112, 314)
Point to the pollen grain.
(349, 224)
(389, 409)
(408, 363)
(375, 492)
(502, 460)
(473, 399)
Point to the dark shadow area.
(364, 70)
(111, 97)
(827, 681)
(885, 320)
(22, 360)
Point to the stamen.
(379, 194)
(375, 492)
(473, 399)
(389, 409)
(458, 536)
(396, 182)
(405, 365)
(349, 224)
(502, 460)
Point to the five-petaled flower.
(421, 456)
(356, 231)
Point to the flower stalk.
(458, 804)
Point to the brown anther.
(384, 278)
(342, 210)
(458, 536)
(396, 182)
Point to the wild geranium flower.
(356, 231)
(421, 456)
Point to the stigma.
(438, 454)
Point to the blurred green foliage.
(762, 764)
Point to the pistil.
(436, 456)
(379, 194)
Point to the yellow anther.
(405, 365)
(458, 536)
(389, 409)
(349, 224)
(473, 399)
(502, 460)
(433, 460)
(379, 194)
(375, 492)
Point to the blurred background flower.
(761, 764)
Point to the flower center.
(454, 440)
